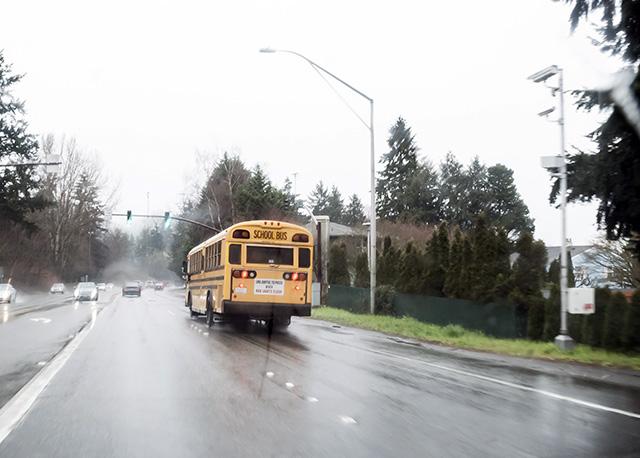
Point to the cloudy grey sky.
(145, 85)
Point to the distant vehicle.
(132, 288)
(257, 270)
(150, 284)
(7, 293)
(57, 288)
(109, 285)
(159, 286)
(101, 286)
(86, 291)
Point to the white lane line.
(170, 312)
(41, 320)
(18, 406)
(311, 399)
(347, 420)
(269, 374)
(550, 394)
(289, 385)
(41, 363)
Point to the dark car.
(132, 288)
(158, 286)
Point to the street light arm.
(319, 67)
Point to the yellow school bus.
(252, 270)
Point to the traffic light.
(128, 215)
(167, 219)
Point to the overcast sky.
(145, 85)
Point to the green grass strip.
(457, 336)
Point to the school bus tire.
(209, 311)
(190, 305)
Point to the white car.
(57, 288)
(102, 286)
(86, 291)
(7, 293)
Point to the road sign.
(582, 301)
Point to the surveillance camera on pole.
(544, 74)
(547, 112)
(558, 166)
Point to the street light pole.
(562, 340)
(372, 213)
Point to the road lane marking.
(289, 385)
(269, 374)
(41, 320)
(18, 406)
(347, 420)
(550, 394)
(41, 363)
(170, 312)
(311, 399)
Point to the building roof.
(340, 230)
(553, 252)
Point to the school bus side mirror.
(184, 267)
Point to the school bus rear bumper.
(259, 310)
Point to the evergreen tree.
(611, 176)
(388, 264)
(422, 199)
(338, 265)
(614, 322)
(552, 314)
(256, 196)
(483, 266)
(285, 200)
(436, 262)
(319, 200)
(362, 271)
(571, 278)
(503, 205)
(593, 325)
(553, 275)
(453, 191)
(335, 209)
(399, 167)
(476, 192)
(354, 213)
(18, 186)
(529, 268)
(535, 317)
(452, 285)
(631, 332)
(502, 264)
(409, 280)
(464, 290)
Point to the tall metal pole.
(563, 206)
(372, 216)
(373, 236)
(563, 340)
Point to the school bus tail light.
(244, 274)
(295, 276)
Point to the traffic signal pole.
(166, 217)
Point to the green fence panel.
(349, 298)
(498, 320)
(495, 319)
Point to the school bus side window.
(304, 257)
(234, 254)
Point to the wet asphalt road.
(150, 381)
